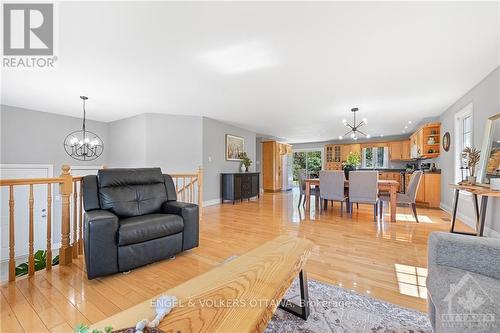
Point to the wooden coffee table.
(238, 296)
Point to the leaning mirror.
(489, 165)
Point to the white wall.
(485, 97)
(214, 159)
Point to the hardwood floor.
(385, 260)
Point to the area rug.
(335, 309)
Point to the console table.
(239, 186)
(484, 191)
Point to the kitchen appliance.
(425, 166)
(287, 173)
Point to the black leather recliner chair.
(133, 218)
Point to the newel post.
(200, 192)
(65, 189)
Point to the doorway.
(309, 160)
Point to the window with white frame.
(375, 157)
(463, 138)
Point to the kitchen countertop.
(401, 170)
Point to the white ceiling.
(291, 70)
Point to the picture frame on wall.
(235, 145)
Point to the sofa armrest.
(474, 254)
(101, 250)
(190, 215)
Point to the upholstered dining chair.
(302, 188)
(363, 189)
(332, 188)
(409, 198)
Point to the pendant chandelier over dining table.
(83, 145)
(354, 128)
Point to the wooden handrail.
(31, 181)
(77, 178)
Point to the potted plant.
(471, 157)
(246, 162)
(352, 162)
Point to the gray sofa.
(133, 218)
(463, 283)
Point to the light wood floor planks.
(382, 259)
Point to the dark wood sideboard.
(239, 186)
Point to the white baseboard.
(211, 202)
(470, 221)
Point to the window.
(375, 157)
(463, 138)
(310, 161)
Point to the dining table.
(383, 184)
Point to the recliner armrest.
(190, 214)
(101, 252)
(480, 255)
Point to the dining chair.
(332, 188)
(302, 188)
(409, 198)
(363, 189)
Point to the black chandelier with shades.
(83, 145)
(354, 128)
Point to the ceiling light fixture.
(354, 128)
(83, 145)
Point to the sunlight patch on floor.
(410, 218)
(411, 280)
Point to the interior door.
(21, 210)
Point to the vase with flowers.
(246, 162)
(351, 163)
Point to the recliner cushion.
(132, 192)
(140, 229)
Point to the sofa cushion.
(448, 287)
(131, 192)
(140, 229)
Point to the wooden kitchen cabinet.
(432, 190)
(406, 152)
(399, 150)
(396, 150)
(425, 142)
(429, 190)
(333, 157)
(347, 149)
(272, 168)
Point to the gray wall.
(127, 142)
(173, 143)
(485, 97)
(34, 137)
(214, 138)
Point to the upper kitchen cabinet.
(347, 149)
(333, 155)
(425, 142)
(400, 150)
